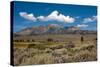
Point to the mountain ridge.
(52, 29)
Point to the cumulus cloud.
(82, 25)
(90, 19)
(56, 16)
(30, 17)
(41, 18)
(53, 16)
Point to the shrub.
(70, 45)
(49, 39)
(48, 50)
(87, 47)
(31, 45)
(45, 58)
(37, 46)
(85, 56)
(59, 52)
(33, 40)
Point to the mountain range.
(52, 29)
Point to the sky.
(28, 14)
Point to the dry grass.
(44, 52)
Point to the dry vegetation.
(53, 49)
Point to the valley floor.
(53, 49)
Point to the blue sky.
(28, 14)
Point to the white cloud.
(53, 16)
(90, 19)
(56, 16)
(82, 25)
(41, 18)
(30, 17)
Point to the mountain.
(51, 29)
